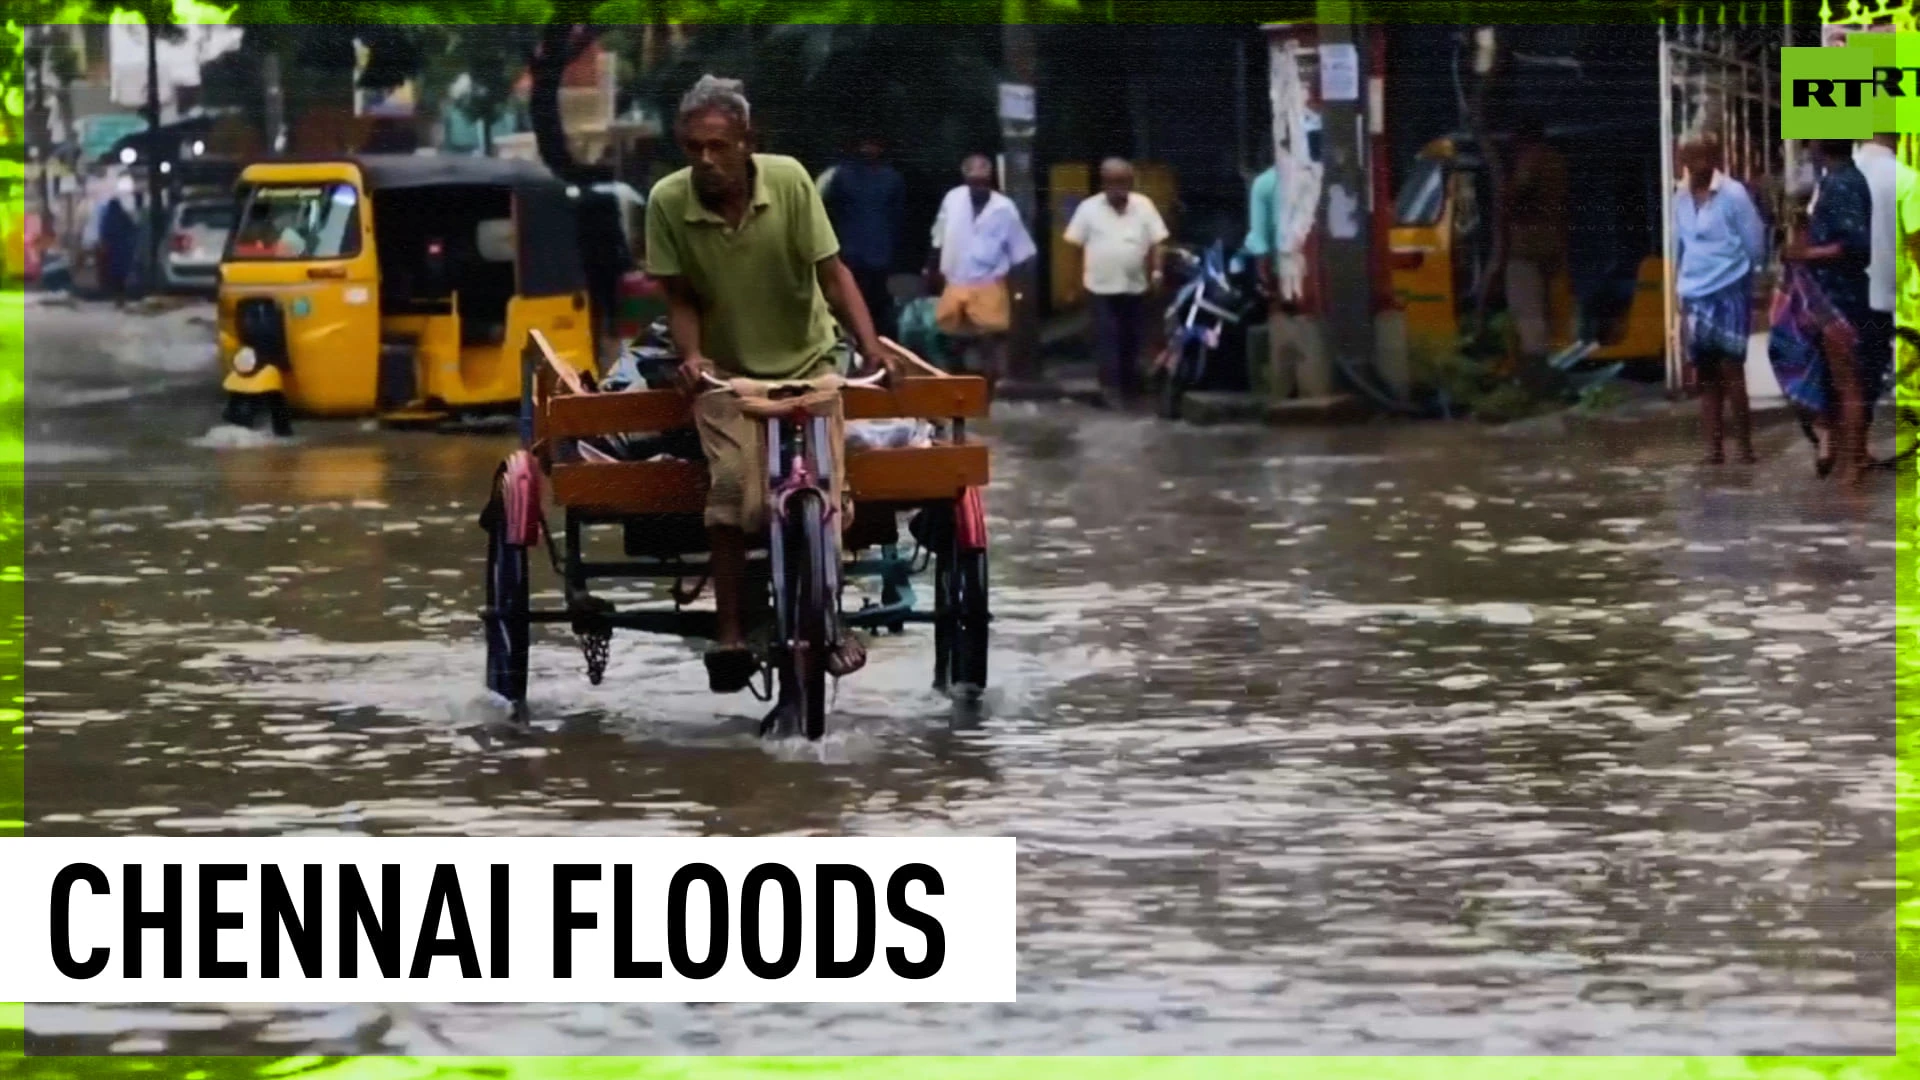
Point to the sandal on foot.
(730, 671)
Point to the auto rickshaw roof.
(387, 172)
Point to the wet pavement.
(1388, 740)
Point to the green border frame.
(1904, 1062)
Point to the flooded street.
(1386, 740)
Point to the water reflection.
(1390, 740)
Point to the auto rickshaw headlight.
(246, 361)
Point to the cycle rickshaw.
(627, 460)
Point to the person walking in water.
(119, 236)
(1721, 241)
(1821, 304)
(866, 201)
(1124, 239)
(1536, 212)
(978, 243)
(1878, 161)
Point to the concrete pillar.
(1021, 55)
(1294, 327)
(1345, 229)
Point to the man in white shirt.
(978, 241)
(1124, 239)
(1878, 164)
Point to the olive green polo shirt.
(761, 310)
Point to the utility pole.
(274, 115)
(153, 154)
(1345, 247)
(1020, 54)
(39, 126)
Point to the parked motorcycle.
(1214, 297)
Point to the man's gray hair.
(713, 93)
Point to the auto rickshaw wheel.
(509, 599)
(242, 409)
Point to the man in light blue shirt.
(1719, 242)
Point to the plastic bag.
(888, 434)
(921, 333)
(648, 361)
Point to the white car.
(195, 242)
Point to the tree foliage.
(791, 52)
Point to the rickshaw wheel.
(960, 604)
(509, 598)
(966, 581)
(809, 638)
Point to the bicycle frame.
(800, 459)
(808, 469)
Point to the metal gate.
(1722, 77)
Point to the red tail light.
(182, 243)
(1408, 260)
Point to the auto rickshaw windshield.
(1424, 194)
(298, 221)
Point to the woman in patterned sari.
(1818, 313)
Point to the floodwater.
(1389, 740)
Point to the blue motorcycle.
(1214, 296)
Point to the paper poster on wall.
(1339, 72)
(1016, 103)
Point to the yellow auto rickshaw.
(1609, 305)
(396, 286)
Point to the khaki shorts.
(974, 309)
(736, 448)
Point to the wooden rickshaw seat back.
(563, 408)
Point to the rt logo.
(1869, 85)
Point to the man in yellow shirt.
(743, 246)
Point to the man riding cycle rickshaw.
(743, 247)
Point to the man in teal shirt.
(1263, 243)
(1263, 233)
